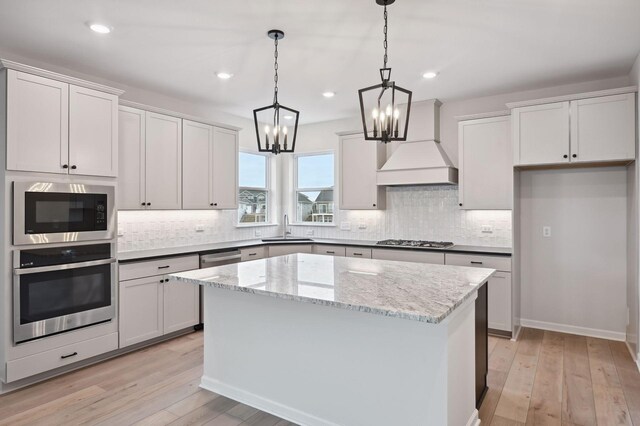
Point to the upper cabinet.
(359, 163)
(586, 130)
(131, 161)
(486, 165)
(57, 127)
(225, 169)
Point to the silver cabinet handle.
(25, 271)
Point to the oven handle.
(25, 271)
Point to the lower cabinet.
(152, 306)
(252, 253)
(358, 252)
(284, 249)
(408, 256)
(329, 250)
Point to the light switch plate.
(309, 232)
(257, 233)
(345, 226)
(546, 231)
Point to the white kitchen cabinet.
(284, 249)
(93, 132)
(499, 310)
(210, 167)
(197, 165)
(359, 163)
(603, 128)
(486, 164)
(131, 159)
(163, 149)
(252, 253)
(408, 256)
(151, 305)
(181, 306)
(541, 134)
(329, 250)
(361, 252)
(141, 310)
(225, 169)
(37, 123)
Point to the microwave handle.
(25, 271)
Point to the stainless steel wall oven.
(62, 288)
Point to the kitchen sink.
(281, 240)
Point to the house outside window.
(253, 196)
(314, 184)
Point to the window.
(253, 197)
(314, 188)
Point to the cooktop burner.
(415, 243)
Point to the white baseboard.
(263, 404)
(518, 330)
(474, 420)
(572, 329)
(635, 357)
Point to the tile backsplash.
(416, 212)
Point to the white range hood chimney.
(420, 160)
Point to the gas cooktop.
(415, 243)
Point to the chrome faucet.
(286, 224)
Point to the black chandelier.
(276, 123)
(385, 107)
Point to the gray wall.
(577, 277)
(632, 240)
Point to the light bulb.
(374, 113)
(382, 116)
(284, 130)
(389, 110)
(275, 131)
(266, 129)
(396, 113)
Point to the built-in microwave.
(46, 212)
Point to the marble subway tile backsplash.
(418, 212)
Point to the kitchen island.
(323, 340)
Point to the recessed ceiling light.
(288, 117)
(430, 74)
(329, 94)
(224, 75)
(100, 28)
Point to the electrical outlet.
(546, 231)
(199, 228)
(345, 226)
(257, 233)
(487, 229)
(362, 225)
(120, 234)
(309, 232)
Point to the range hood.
(421, 160)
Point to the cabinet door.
(181, 306)
(93, 132)
(225, 169)
(37, 123)
(500, 301)
(603, 129)
(141, 310)
(197, 153)
(486, 164)
(131, 162)
(541, 134)
(359, 163)
(163, 161)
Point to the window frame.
(296, 221)
(268, 189)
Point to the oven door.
(56, 212)
(52, 299)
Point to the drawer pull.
(68, 356)
(163, 267)
(331, 252)
(357, 254)
(476, 263)
(253, 254)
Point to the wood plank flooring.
(545, 378)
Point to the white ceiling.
(479, 47)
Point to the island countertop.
(416, 291)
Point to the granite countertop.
(415, 291)
(230, 245)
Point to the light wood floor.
(545, 378)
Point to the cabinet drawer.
(408, 256)
(329, 250)
(149, 268)
(499, 263)
(60, 357)
(252, 253)
(285, 249)
(358, 252)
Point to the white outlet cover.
(345, 226)
(546, 231)
(309, 232)
(362, 225)
(257, 233)
(199, 228)
(487, 229)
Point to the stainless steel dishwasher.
(209, 260)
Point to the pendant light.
(276, 125)
(385, 107)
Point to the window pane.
(315, 171)
(253, 170)
(315, 206)
(252, 206)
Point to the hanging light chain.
(275, 68)
(385, 44)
